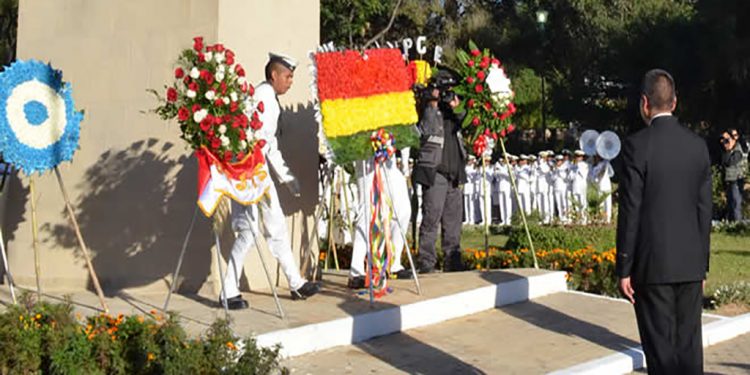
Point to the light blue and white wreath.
(39, 126)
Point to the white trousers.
(544, 206)
(485, 208)
(561, 204)
(505, 199)
(581, 204)
(525, 201)
(607, 206)
(399, 193)
(468, 209)
(245, 221)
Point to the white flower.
(190, 94)
(198, 116)
(219, 76)
(498, 82)
(224, 140)
(225, 100)
(222, 68)
(222, 129)
(194, 73)
(209, 55)
(188, 136)
(243, 145)
(210, 94)
(219, 57)
(233, 96)
(241, 80)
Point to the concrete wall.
(133, 182)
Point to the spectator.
(734, 174)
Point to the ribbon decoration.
(245, 181)
(381, 243)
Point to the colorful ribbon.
(381, 215)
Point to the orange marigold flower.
(150, 357)
(231, 345)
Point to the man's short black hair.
(271, 66)
(659, 89)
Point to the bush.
(738, 292)
(47, 338)
(563, 237)
(733, 228)
(588, 270)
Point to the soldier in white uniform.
(504, 191)
(560, 188)
(399, 193)
(485, 182)
(532, 182)
(523, 184)
(579, 172)
(544, 204)
(279, 76)
(600, 176)
(469, 215)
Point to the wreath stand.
(217, 248)
(389, 201)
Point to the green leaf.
(472, 45)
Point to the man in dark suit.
(663, 231)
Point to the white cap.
(285, 60)
(524, 157)
(579, 153)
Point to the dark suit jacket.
(665, 208)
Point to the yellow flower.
(38, 316)
(231, 345)
(150, 357)
(345, 117)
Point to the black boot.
(235, 303)
(356, 282)
(309, 289)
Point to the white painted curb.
(362, 327)
(633, 359)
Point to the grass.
(730, 255)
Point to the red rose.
(487, 131)
(480, 75)
(250, 90)
(210, 133)
(243, 135)
(228, 155)
(217, 120)
(186, 80)
(210, 79)
(204, 74)
(198, 43)
(495, 115)
(171, 94)
(478, 88)
(475, 121)
(196, 108)
(487, 106)
(502, 133)
(223, 87)
(475, 52)
(193, 86)
(484, 64)
(218, 102)
(470, 103)
(512, 108)
(494, 136)
(470, 63)
(215, 143)
(235, 123)
(240, 72)
(209, 48)
(470, 80)
(205, 124)
(183, 114)
(261, 107)
(227, 118)
(244, 122)
(179, 73)
(219, 47)
(511, 128)
(229, 57)
(240, 155)
(210, 118)
(233, 106)
(201, 57)
(255, 124)
(496, 62)
(260, 143)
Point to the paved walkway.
(731, 357)
(546, 334)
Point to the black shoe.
(235, 303)
(309, 289)
(425, 270)
(404, 274)
(356, 282)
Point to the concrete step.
(557, 331)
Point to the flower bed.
(49, 338)
(588, 270)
